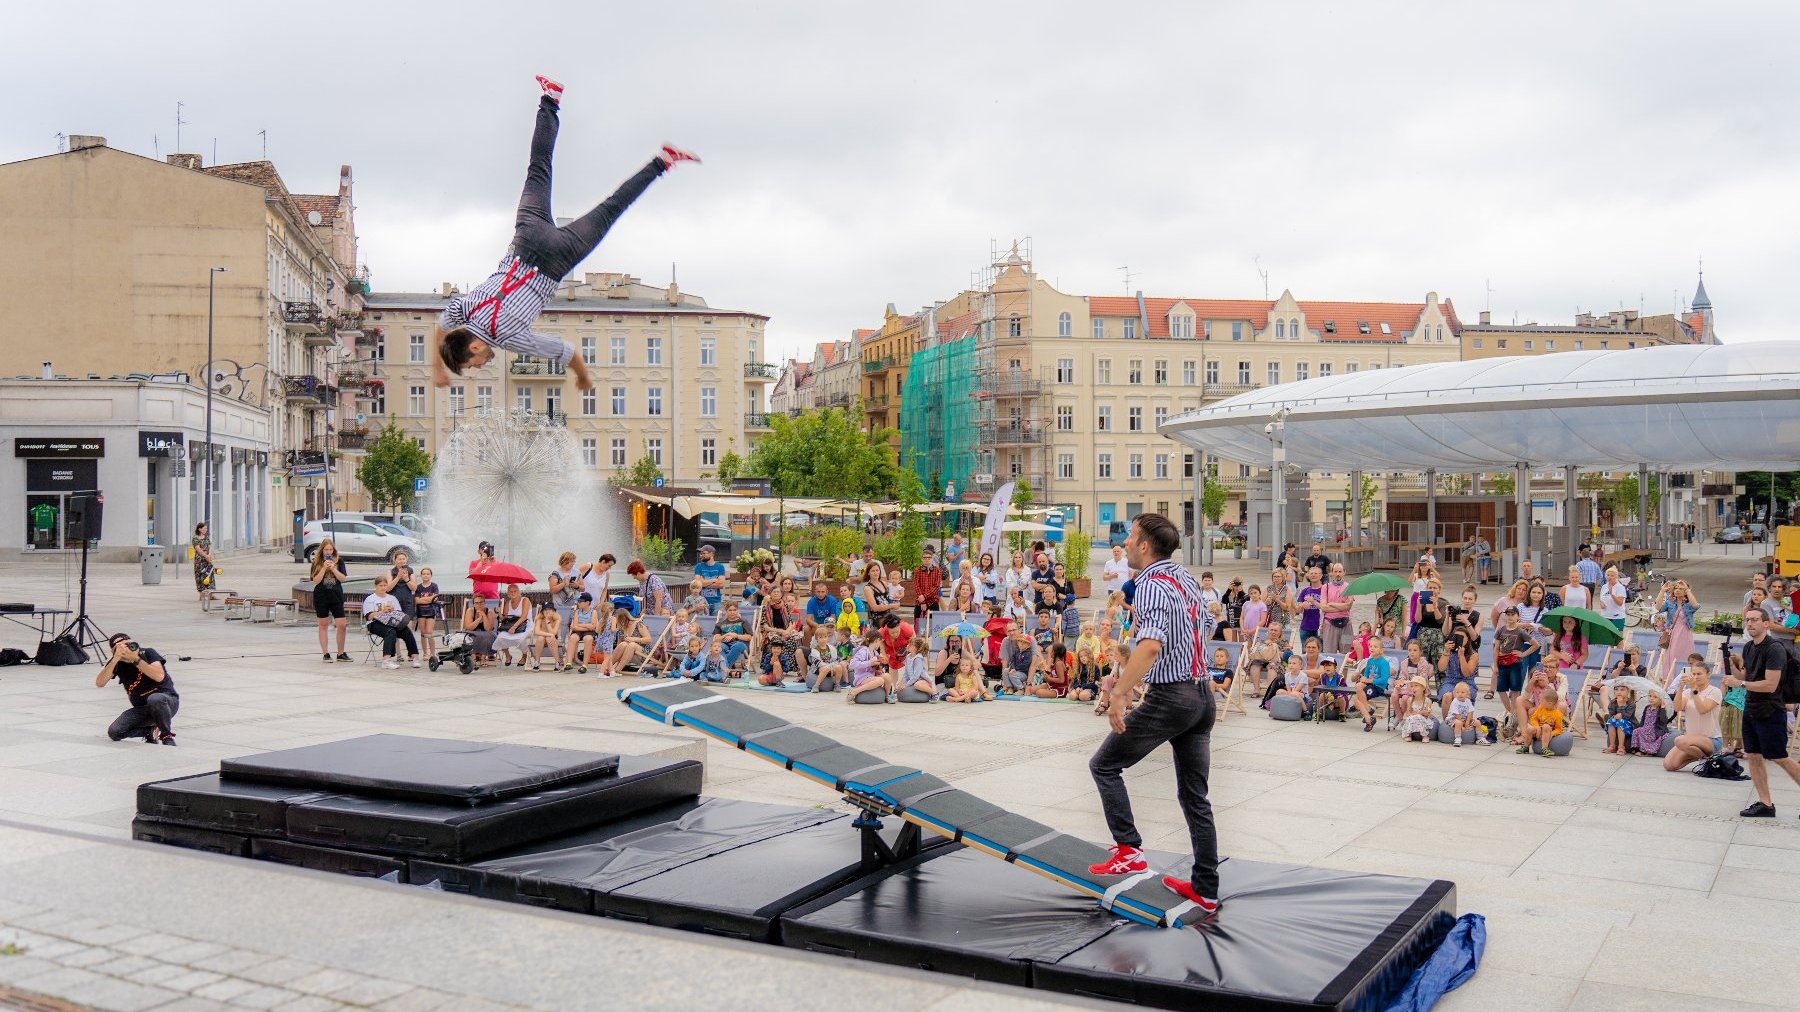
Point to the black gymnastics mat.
(343, 862)
(192, 837)
(913, 795)
(209, 801)
(1284, 938)
(424, 769)
(459, 833)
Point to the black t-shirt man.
(1319, 559)
(1768, 655)
(139, 686)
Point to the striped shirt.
(502, 309)
(1164, 611)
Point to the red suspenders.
(507, 286)
(1193, 614)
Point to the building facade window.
(1134, 370)
(1013, 327)
(709, 351)
(459, 396)
(709, 451)
(1187, 465)
(1065, 327)
(1134, 467)
(522, 398)
(1187, 372)
(616, 351)
(1103, 371)
(1065, 418)
(1274, 374)
(1159, 374)
(1324, 368)
(590, 349)
(653, 351)
(1162, 465)
(590, 402)
(618, 451)
(709, 402)
(1129, 328)
(1237, 330)
(1103, 466)
(1212, 373)
(1065, 466)
(590, 451)
(1301, 371)
(1099, 328)
(484, 398)
(618, 402)
(1103, 418)
(415, 400)
(1162, 415)
(1134, 419)
(653, 401)
(553, 401)
(1349, 367)
(415, 348)
(653, 446)
(1065, 370)
(1243, 374)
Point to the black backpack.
(11, 656)
(1720, 767)
(60, 652)
(1789, 690)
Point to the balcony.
(876, 402)
(1006, 435)
(352, 379)
(881, 364)
(372, 388)
(1227, 389)
(537, 367)
(838, 401)
(1011, 385)
(756, 420)
(352, 440)
(310, 392)
(760, 370)
(303, 318)
(368, 340)
(358, 282)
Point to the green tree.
(1757, 486)
(1455, 483)
(1500, 483)
(389, 468)
(1625, 497)
(642, 473)
(1022, 493)
(731, 466)
(1213, 494)
(906, 547)
(825, 454)
(1369, 491)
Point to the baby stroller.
(458, 649)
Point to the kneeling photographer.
(145, 675)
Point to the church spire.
(1700, 299)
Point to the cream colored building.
(1617, 330)
(674, 378)
(1072, 388)
(108, 256)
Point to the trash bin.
(150, 560)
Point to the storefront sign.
(160, 444)
(61, 475)
(73, 446)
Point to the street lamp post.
(212, 275)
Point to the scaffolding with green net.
(940, 415)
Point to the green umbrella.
(1377, 583)
(1595, 626)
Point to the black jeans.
(536, 238)
(392, 633)
(1181, 714)
(157, 712)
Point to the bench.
(221, 598)
(270, 605)
(237, 608)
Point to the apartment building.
(886, 354)
(121, 265)
(1616, 330)
(674, 379)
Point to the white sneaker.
(415, 662)
(1458, 741)
(390, 665)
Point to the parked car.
(1758, 532)
(1117, 533)
(797, 519)
(719, 537)
(1733, 535)
(358, 539)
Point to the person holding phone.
(145, 675)
(328, 596)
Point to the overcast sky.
(1570, 155)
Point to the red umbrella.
(487, 575)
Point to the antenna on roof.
(1257, 260)
(1489, 305)
(62, 143)
(178, 124)
(156, 146)
(1128, 276)
(215, 160)
(264, 134)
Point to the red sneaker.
(672, 154)
(1185, 890)
(1124, 860)
(551, 88)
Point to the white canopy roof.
(1678, 408)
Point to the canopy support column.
(1353, 508)
(1643, 506)
(1431, 536)
(1522, 513)
(1277, 494)
(1193, 553)
(1202, 469)
(1569, 541)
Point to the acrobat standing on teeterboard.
(500, 311)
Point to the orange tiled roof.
(327, 206)
(1399, 316)
(1696, 322)
(828, 351)
(958, 326)
(261, 174)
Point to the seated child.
(1019, 657)
(916, 673)
(1044, 633)
(1087, 640)
(1054, 677)
(672, 650)
(1619, 722)
(1462, 716)
(1419, 722)
(1359, 646)
(1220, 671)
(968, 682)
(546, 632)
(1086, 685)
(1294, 683)
(867, 673)
(848, 619)
(1653, 723)
(1546, 723)
(828, 669)
(1328, 699)
(702, 667)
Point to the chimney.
(674, 294)
(185, 161)
(1486, 317)
(1143, 317)
(49, 373)
(81, 142)
(344, 180)
(448, 290)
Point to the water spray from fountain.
(518, 480)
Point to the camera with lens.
(132, 646)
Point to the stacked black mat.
(632, 838)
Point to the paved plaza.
(1606, 882)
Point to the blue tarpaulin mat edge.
(1456, 959)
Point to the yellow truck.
(1787, 550)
